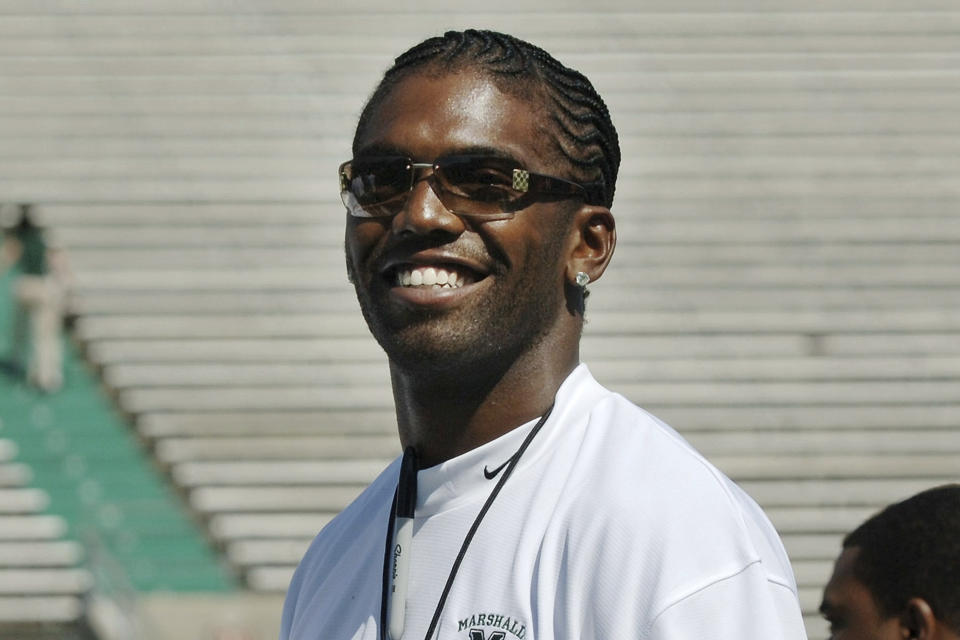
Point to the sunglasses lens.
(371, 185)
(477, 185)
(469, 185)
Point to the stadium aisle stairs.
(82, 510)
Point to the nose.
(424, 213)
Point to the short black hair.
(911, 549)
(583, 132)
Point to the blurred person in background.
(898, 576)
(39, 293)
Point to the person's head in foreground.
(478, 198)
(899, 574)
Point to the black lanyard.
(388, 549)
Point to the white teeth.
(431, 277)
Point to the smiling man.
(899, 574)
(530, 503)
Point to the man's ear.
(593, 237)
(917, 621)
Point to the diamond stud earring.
(582, 279)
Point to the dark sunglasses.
(481, 186)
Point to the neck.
(443, 416)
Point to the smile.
(435, 277)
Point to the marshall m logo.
(491, 626)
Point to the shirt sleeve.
(745, 606)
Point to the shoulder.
(644, 496)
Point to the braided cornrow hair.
(583, 133)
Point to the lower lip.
(434, 297)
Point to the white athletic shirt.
(611, 527)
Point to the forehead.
(427, 116)
(844, 591)
(842, 580)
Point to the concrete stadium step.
(337, 324)
(660, 217)
(815, 625)
(309, 189)
(309, 298)
(229, 527)
(833, 492)
(812, 573)
(40, 609)
(287, 422)
(803, 275)
(747, 122)
(254, 235)
(330, 144)
(934, 228)
(23, 501)
(611, 81)
(750, 393)
(330, 499)
(175, 450)
(44, 581)
(313, 298)
(256, 398)
(708, 425)
(746, 297)
(331, 259)
(266, 374)
(122, 376)
(812, 546)
(762, 394)
(870, 494)
(740, 274)
(650, 19)
(270, 579)
(333, 472)
(774, 369)
(679, 254)
(813, 440)
(14, 474)
(56, 553)
(637, 347)
(136, 214)
(200, 258)
(253, 553)
(817, 520)
(906, 417)
(931, 466)
(288, 350)
(8, 449)
(225, 43)
(769, 345)
(278, 106)
(334, 62)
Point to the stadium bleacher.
(785, 291)
(82, 511)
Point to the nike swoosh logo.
(490, 475)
